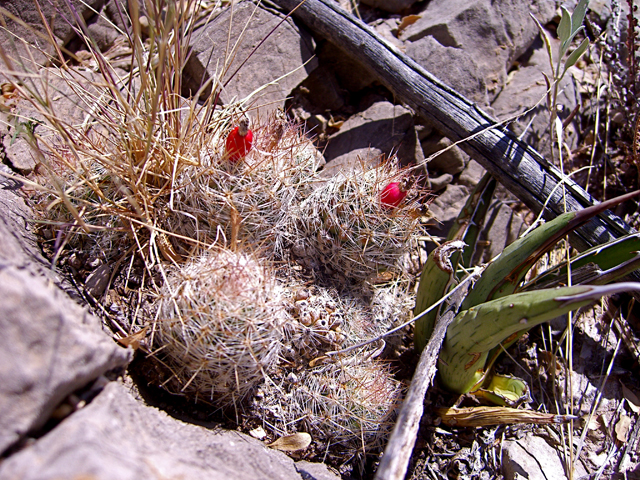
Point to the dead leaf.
(335, 123)
(632, 398)
(406, 21)
(292, 443)
(258, 433)
(134, 340)
(622, 428)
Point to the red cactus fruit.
(393, 194)
(239, 141)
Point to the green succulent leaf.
(603, 264)
(474, 332)
(436, 276)
(503, 276)
(435, 279)
(504, 390)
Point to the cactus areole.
(239, 141)
(393, 194)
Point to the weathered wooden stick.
(521, 169)
(394, 462)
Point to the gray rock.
(471, 175)
(446, 207)
(117, 438)
(381, 129)
(314, 471)
(58, 16)
(49, 348)
(18, 245)
(502, 226)
(69, 109)
(284, 51)
(451, 161)
(526, 91)
(438, 183)
(534, 459)
(453, 66)
(351, 75)
(493, 33)
(393, 6)
(102, 30)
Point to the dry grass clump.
(224, 248)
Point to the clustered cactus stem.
(255, 265)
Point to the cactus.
(251, 201)
(220, 326)
(351, 403)
(344, 227)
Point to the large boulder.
(278, 64)
(117, 438)
(493, 33)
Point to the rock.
(471, 175)
(102, 30)
(117, 438)
(451, 161)
(314, 471)
(462, 73)
(285, 52)
(502, 226)
(493, 33)
(69, 108)
(351, 75)
(49, 348)
(446, 207)
(438, 183)
(18, 246)
(17, 153)
(526, 91)
(381, 129)
(393, 6)
(57, 14)
(387, 28)
(534, 459)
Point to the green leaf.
(575, 55)
(564, 30)
(474, 332)
(578, 15)
(504, 390)
(504, 274)
(434, 281)
(613, 260)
